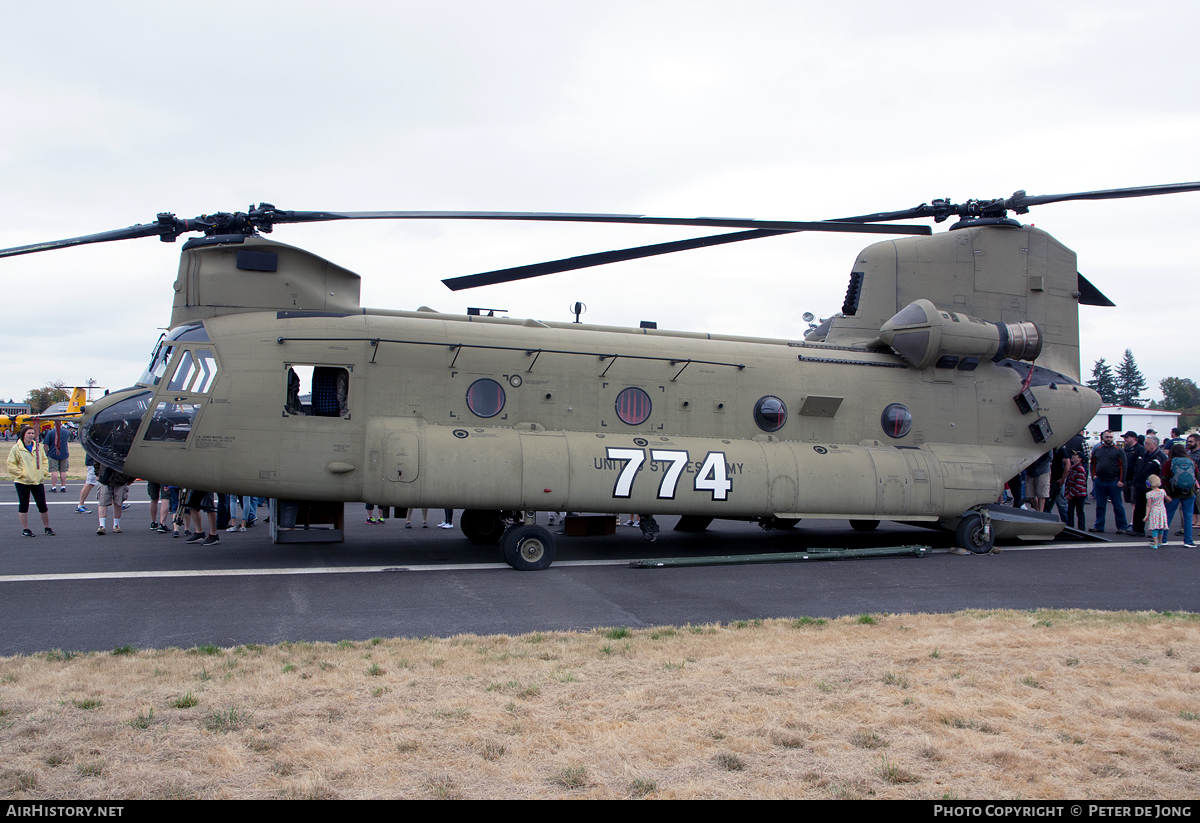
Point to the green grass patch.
(803, 622)
(143, 720)
(571, 777)
(227, 720)
(185, 701)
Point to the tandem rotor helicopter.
(952, 365)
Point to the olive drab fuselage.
(274, 382)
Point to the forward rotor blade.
(266, 216)
(853, 227)
(141, 230)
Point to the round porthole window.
(485, 398)
(896, 420)
(770, 414)
(633, 406)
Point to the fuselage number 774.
(710, 474)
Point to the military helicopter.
(953, 365)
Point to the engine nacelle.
(925, 335)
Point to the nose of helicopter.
(111, 424)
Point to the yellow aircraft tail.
(78, 401)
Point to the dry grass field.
(1001, 705)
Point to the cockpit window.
(195, 372)
(158, 364)
(166, 346)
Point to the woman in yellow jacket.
(28, 465)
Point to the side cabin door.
(321, 432)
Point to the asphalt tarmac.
(79, 591)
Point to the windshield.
(108, 435)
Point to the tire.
(969, 535)
(481, 526)
(528, 548)
(864, 525)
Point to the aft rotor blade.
(491, 278)
(1020, 200)
(1020, 203)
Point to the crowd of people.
(1156, 478)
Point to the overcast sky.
(115, 111)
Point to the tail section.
(1005, 274)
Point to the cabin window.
(896, 420)
(770, 413)
(485, 398)
(633, 406)
(328, 391)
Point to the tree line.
(1124, 386)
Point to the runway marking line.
(449, 567)
(27, 578)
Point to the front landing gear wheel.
(528, 548)
(974, 535)
(864, 525)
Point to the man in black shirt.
(1108, 469)
(1152, 462)
(1134, 451)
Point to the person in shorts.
(56, 441)
(90, 483)
(168, 506)
(112, 493)
(153, 490)
(205, 502)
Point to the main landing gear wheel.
(864, 525)
(482, 526)
(528, 548)
(972, 535)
